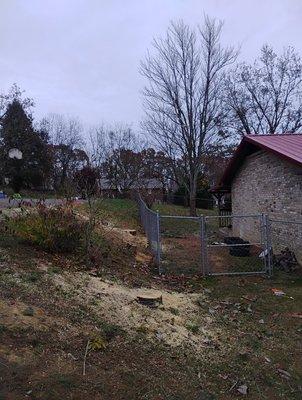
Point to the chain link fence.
(206, 245)
(181, 252)
(150, 221)
(286, 243)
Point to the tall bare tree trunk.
(192, 196)
(192, 204)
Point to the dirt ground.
(183, 256)
(71, 333)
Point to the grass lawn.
(172, 209)
(122, 212)
(117, 212)
(176, 227)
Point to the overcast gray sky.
(81, 57)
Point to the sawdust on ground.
(178, 321)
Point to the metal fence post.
(263, 240)
(268, 245)
(158, 247)
(203, 246)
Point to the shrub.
(55, 229)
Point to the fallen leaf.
(283, 373)
(278, 292)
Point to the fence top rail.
(283, 221)
(147, 209)
(180, 217)
(152, 211)
(234, 216)
(234, 245)
(141, 201)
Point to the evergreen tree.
(17, 132)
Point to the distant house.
(265, 176)
(145, 186)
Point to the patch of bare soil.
(181, 255)
(178, 321)
(130, 236)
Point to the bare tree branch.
(266, 97)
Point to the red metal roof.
(287, 146)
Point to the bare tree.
(104, 139)
(265, 98)
(98, 146)
(66, 145)
(86, 183)
(183, 99)
(116, 151)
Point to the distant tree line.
(198, 103)
(53, 155)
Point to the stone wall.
(265, 183)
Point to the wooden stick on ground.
(85, 356)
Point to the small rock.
(151, 301)
(28, 312)
(242, 389)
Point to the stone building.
(265, 176)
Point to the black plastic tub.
(243, 250)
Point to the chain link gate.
(242, 248)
